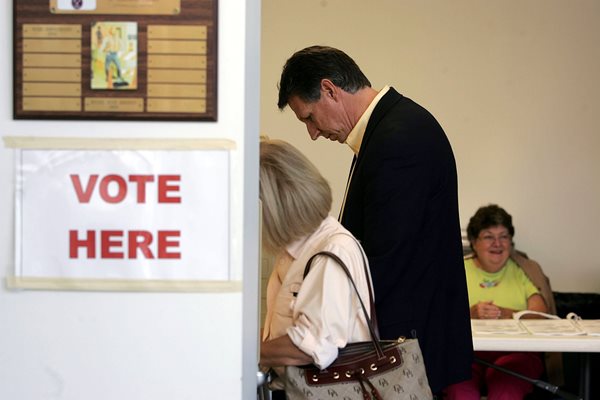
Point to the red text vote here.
(119, 244)
(114, 188)
(126, 244)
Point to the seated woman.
(308, 319)
(498, 287)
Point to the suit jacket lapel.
(381, 109)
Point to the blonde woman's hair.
(295, 197)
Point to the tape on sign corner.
(122, 285)
(87, 143)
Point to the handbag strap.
(371, 297)
(373, 312)
(372, 328)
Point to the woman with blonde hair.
(308, 319)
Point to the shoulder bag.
(371, 370)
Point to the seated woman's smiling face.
(492, 248)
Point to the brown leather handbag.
(376, 369)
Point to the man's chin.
(333, 138)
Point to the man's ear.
(329, 89)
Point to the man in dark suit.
(401, 203)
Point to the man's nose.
(313, 132)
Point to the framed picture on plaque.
(113, 64)
(114, 59)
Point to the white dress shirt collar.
(355, 137)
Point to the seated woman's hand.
(486, 310)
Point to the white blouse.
(321, 313)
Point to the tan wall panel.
(51, 89)
(52, 60)
(177, 47)
(111, 104)
(124, 7)
(176, 105)
(175, 61)
(52, 74)
(51, 103)
(193, 32)
(51, 31)
(176, 76)
(170, 90)
(51, 46)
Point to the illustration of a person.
(110, 49)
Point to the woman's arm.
(488, 310)
(282, 351)
(535, 302)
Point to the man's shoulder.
(394, 106)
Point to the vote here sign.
(125, 215)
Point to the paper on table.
(589, 326)
(552, 327)
(519, 314)
(497, 326)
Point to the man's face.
(324, 117)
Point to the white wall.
(96, 345)
(515, 85)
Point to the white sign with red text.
(121, 214)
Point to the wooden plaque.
(109, 59)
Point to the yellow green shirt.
(509, 288)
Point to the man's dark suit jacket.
(402, 204)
